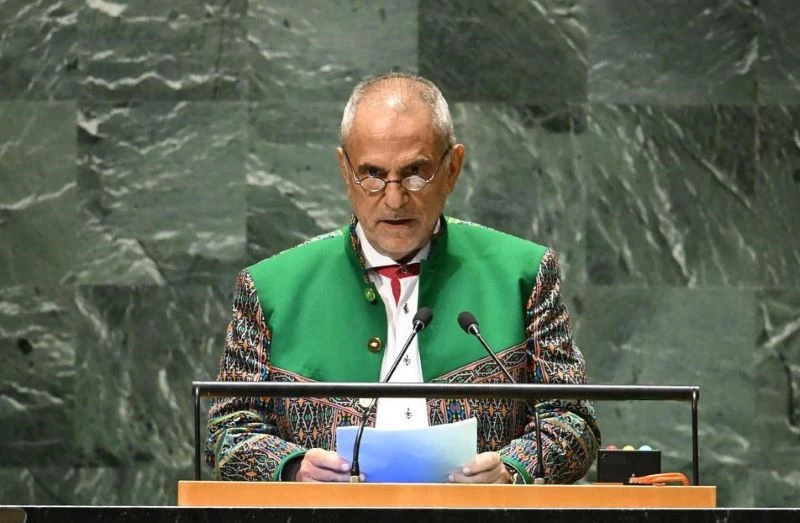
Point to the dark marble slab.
(505, 50)
(776, 215)
(37, 376)
(163, 187)
(673, 336)
(670, 51)
(233, 515)
(178, 50)
(141, 348)
(779, 52)
(38, 49)
(777, 392)
(50, 484)
(38, 197)
(294, 187)
(674, 198)
(317, 51)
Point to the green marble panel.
(38, 199)
(673, 336)
(141, 348)
(37, 404)
(316, 51)
(294, 189)
(672, 51)
(777, 390)
(38, 49)
(779, 52)
(673, 197)
(52, 485)
(777, 210)
(163, 186)
(177, 50)
(505, 50)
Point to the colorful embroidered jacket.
(309, 313)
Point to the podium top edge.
(443, 390)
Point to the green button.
(369, 294)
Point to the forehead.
(387, 125)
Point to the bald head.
(400, 92)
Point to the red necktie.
(395, 272)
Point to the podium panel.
(392, 495)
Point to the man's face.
(392, 145)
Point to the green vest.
(323, 310)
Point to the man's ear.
(454, 166)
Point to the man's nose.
(394, 195)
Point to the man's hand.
(485, 468)
(320, 465)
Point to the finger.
(326, 459)
(323, 465)
(494, 475)
(483, 462)
(310, 472)
(326, 475)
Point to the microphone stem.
(416, 328)
(355, 471)
(539, 470)
(538, 473)
(494, 357)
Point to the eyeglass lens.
(411, 183)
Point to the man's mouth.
(404, 221)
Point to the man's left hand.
(485, 468)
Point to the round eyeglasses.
(413, 182)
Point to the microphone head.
(423, 317)
(466, 320)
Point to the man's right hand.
(321, 465)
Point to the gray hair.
(425, 90)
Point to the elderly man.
(338, 308)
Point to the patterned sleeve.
(570, 435)
(243, 442)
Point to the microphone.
(470, 325)
(422, 319)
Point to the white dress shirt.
(398, 412)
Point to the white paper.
(420, 455)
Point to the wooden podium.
(394, 495)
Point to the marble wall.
(148, 150)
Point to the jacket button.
(374, 344)
(369, 294)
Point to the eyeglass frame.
(358, 181)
